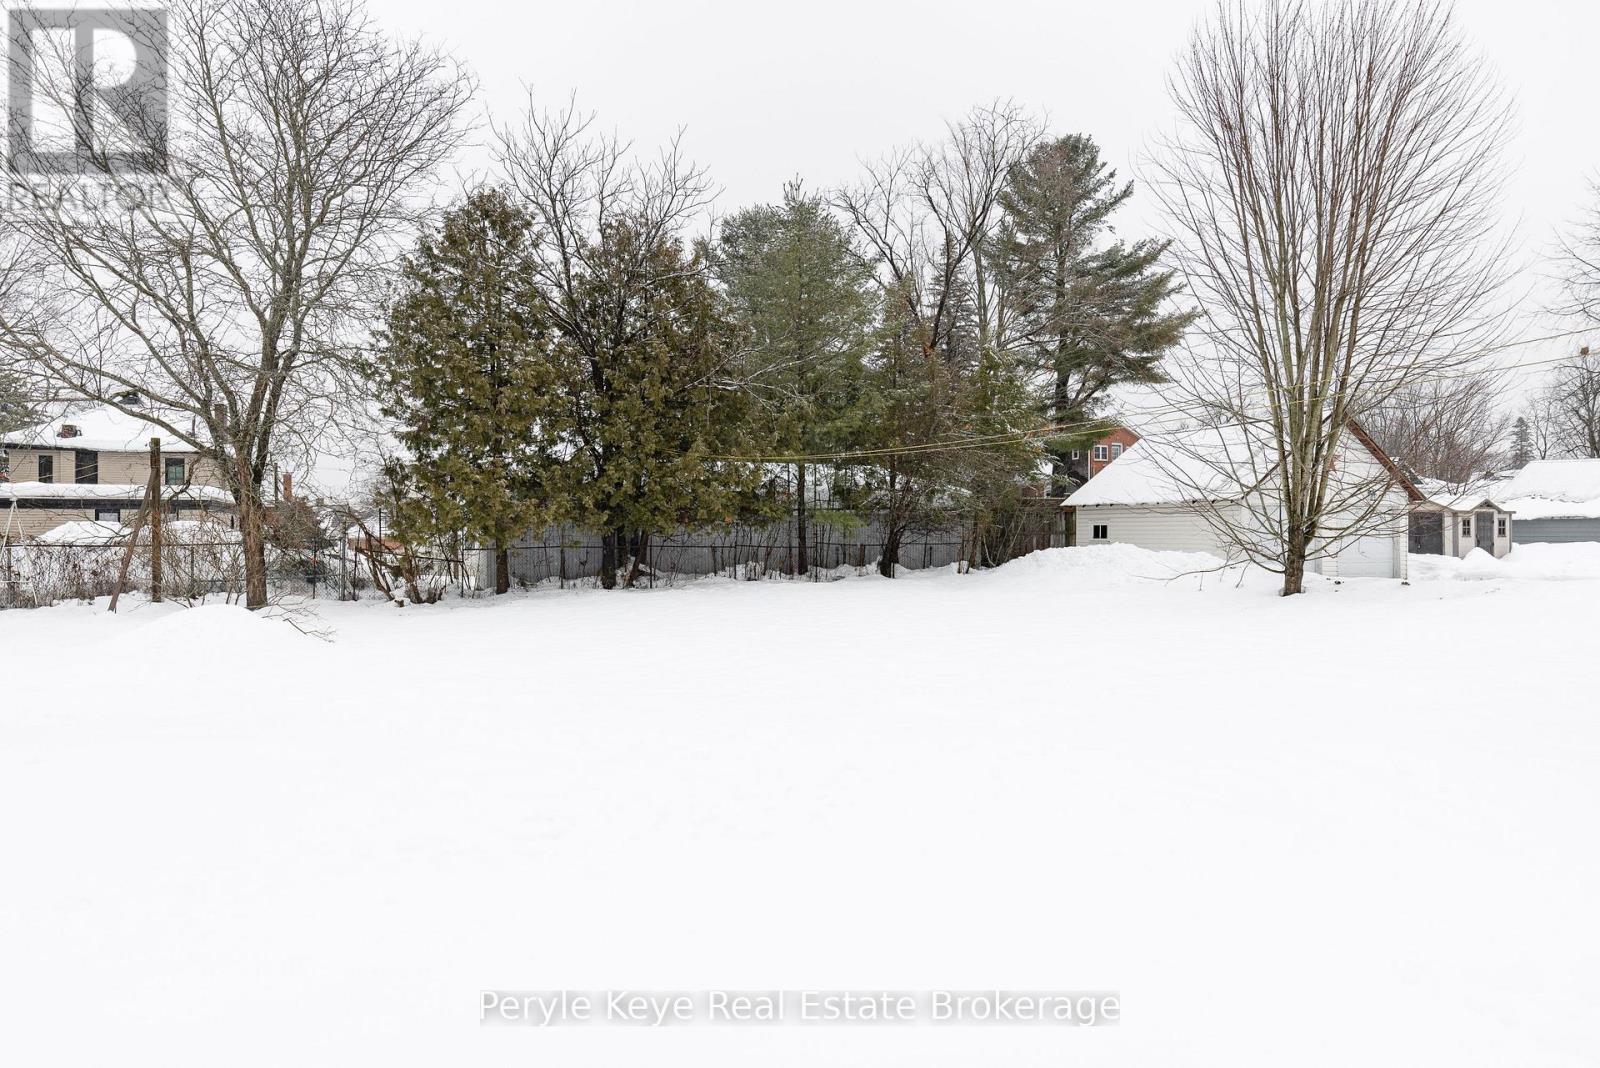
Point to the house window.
(86, 467)
(107, 515)
(1101, 452)
(1500, 527)
(174, 470)
(1116, 450)
(1100, 532)
(1466, 526)
(1077, 454)
(47, 469)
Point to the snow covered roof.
(1458, 499)
(1204, 464)
(1554, 489)
(105, 491)
(100, 429)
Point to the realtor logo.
(138, 101)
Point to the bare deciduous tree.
(928, 215)
(233, 292)
(1333, 190)
(1445, 428)
(1568, 408)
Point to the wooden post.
(133, 541)
(154, 493)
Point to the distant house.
(93, 465)
(1554, 500)
(1170, 493)
(1452, 523)
(1084, 464)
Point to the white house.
(1554, 500)
(1201, 489)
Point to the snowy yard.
(1354, 827)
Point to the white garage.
(1206, 491)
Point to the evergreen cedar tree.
(464, 370)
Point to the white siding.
(1166, 528)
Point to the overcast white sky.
(766, 92)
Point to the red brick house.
(1085, 464)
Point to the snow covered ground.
(1354, 827)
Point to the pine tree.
(1521, 443)
(1087, 315)
(646, 374)
(801, 295)
(463, 370)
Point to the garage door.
(1526, 530)
(1369, 557)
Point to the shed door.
(1427, 534)
(1483, 527)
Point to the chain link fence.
(837, 544)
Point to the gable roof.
(100, 429)
(1457, 498)
(1554, 489)
(1202, 464)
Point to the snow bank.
(1284, 831)
(84, 532)
(1107, 565)
(1535, 561)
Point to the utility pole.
(154, 493)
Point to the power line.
(1017, 437)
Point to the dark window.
(1116, 450)
(174, 471)
(1466, 526)
(1100, 452)
(1077, 454)
(86, 471)
(47, 469)
(1500, 527)
(1100, 532)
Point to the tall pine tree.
(803, 297)
(1521, 443)
(1087, 314)
(463, 370)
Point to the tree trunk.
(891, 553)
(502, 568)
(1294, 564)
(255, 550)
(610, 557)
(802, 561)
